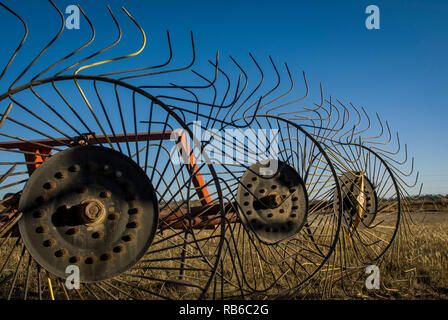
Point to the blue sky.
(399, 71)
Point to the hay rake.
(130, 176)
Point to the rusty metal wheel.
(89, 166)
(88, 206)
(371, 204)
(282, 226)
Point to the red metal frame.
(201, 217)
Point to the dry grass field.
(415, 268)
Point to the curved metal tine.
(291, 80)
(121, 57)
(21, 42)
(72, 53)
(197, 101)
(384, 151)
(389, 139)
(317, 128)
(43, 50)
(329, 116)
(210, 83)
(242, 90)
(108, 61)
(387, 155)
(294, 101)
(350, 137)
(164, 64)
(193, 59)
(186, 89)
(221, 106)
(380, 134)
(333, 129)
(93, 37)
(253, 91)
(345, 118)
(399, 173)
(270, 91)
(368, 125)
(354, 126)
(297, 117)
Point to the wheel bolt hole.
(128, 238)
(49, 185)
(74, 168)
(42, 229)
(118, 249)
(74, 259)
(132, 225)
(39, 214)
(133, 211)
(105, 257)
(49, 243)
(90, 260)
(98, 235)
(60, 175)
(60, 253)
(113, 216)
(105, 194)
(72, 231)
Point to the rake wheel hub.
(360, 208)
(274, 207)
(92, 212)
(88, 206)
